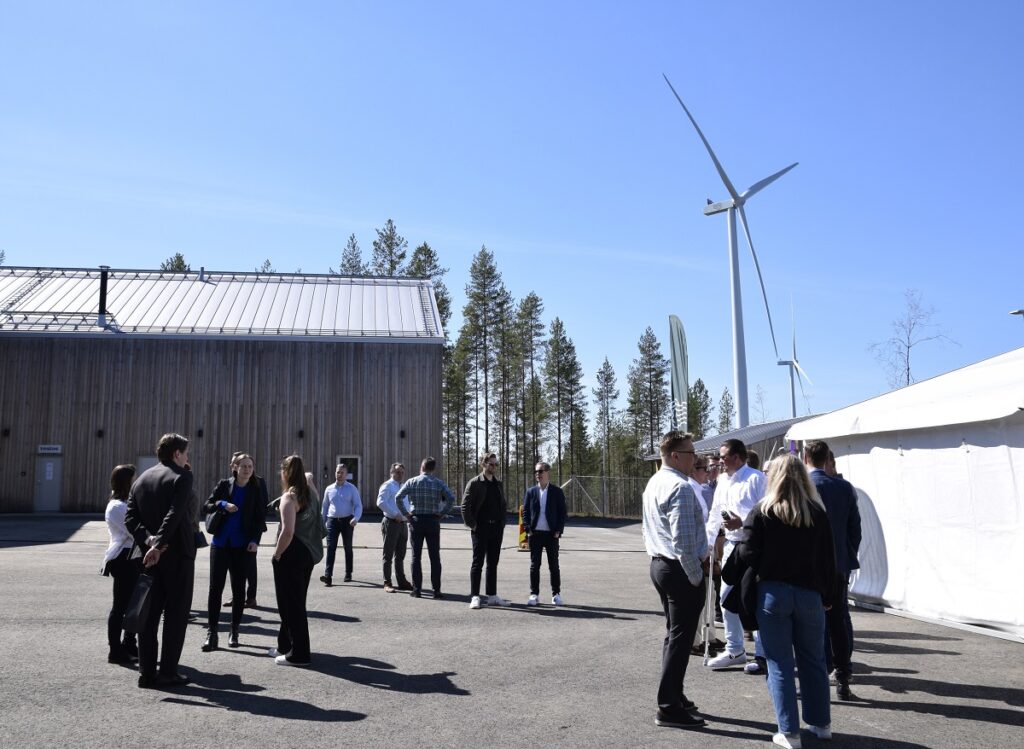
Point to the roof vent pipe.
(202, 273)
(102, 319)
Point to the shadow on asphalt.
(882, 635)
(44, 528)
(381, 675)
(242, 698)
(760, 731)
(995, 715)
(884, 648)
(903, 685)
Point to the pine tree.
(389, 251)
(424, 264)
(483, 295)
(456, 406)
(3, 257)
(175, 263)
(352, 259)
(698, 410)
(265, 267)
(605, 395)
(530, 328)
(726, 412)
(648, 391)
(563, 381)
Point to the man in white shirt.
(737, 492)
(674, 537)
(342, 509)
(394, 528)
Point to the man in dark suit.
(484, 510)
(160, 517)
(544, 518)
(840, 499)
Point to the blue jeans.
(336, 527)
(792, 619)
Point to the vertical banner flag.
(680, 373)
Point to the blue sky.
(234, 132)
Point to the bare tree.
(761, 410)
(914, 327)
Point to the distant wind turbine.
(796, 372)
(731, 206)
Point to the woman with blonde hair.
(789, 545)
(299, 548)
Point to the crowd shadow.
(903, 685)
(997, 715)
(332, 617)
(263, 706)
(884, 648)
(888, 635)
(380, 675)
(759, 731)
(572, 612)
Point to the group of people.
(791, 537)
(153, 523)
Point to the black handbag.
(215, 521)
(138, 607)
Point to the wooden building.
(98, 363)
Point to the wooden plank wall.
(346, 398)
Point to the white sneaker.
(274, 652)
(787, 740)
(822, 732)
(725, 660)
(282, 660)
(497, 601)
(556, 599)
(532, 600)
(474, 602)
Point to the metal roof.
(148, 303)
(749, 435)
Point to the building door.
(48, 475)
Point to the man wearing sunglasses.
(544, 517)
(484, 510)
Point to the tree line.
(513, 382)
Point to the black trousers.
(541, 541)
(125, 572)
(426, 528)
(291, 582)
(486, 547)
(336, 526)
(395, 535)
(171, 598)
(682, 602)
(224, 559)
(839, 634)
(251, 576)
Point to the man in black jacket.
(483, 510)
(160, 517)
(840, 500)
(544, 518)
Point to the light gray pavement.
(393, 671)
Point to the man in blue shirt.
(342, 509)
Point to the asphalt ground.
(390, 670)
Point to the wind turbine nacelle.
(719, 207)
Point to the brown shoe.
(388, 588)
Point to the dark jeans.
(541, 541)
(682, 602)
(426, 528)
(839, 635)
(396, 537)
(224, 559)
(486, 545)
(334, 526)
(291, 581)
(170, 597)
(125, 572)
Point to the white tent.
(939, 471)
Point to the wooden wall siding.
(348, 398)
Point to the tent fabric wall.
(942, 511)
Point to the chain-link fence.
(605, 496)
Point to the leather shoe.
(250, 603)
(416, 594)
(211, 642)
(233, 639)
(325, 580)
(348, 578)
(405, 586)
(147, 682)
(438, 596)
(121, 657)
(172, 680)
(843, 692)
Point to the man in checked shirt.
(430, 499)
(675, 540)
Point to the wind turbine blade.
(760, 278)
(802, 373)
(721, 172)
(758, 186)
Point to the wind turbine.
(731, 206)
(795, 371)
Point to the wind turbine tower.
(733, 205)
